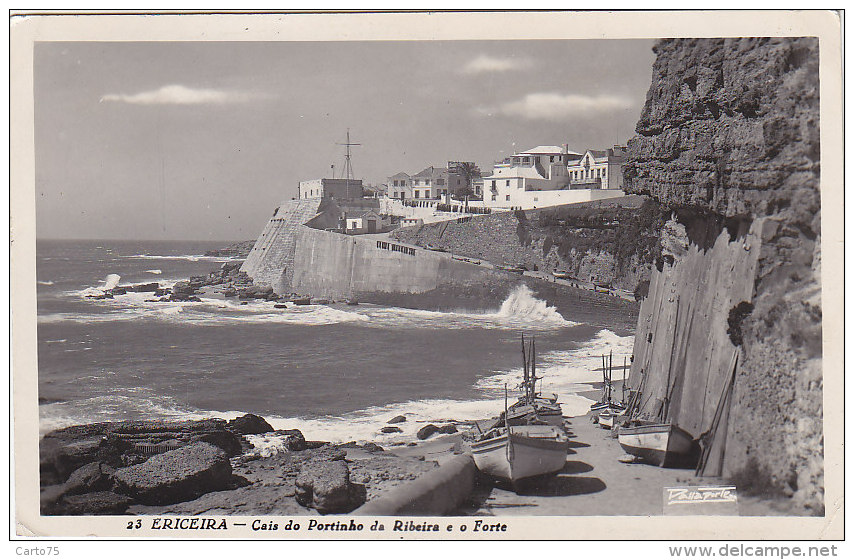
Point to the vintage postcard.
(546, 275)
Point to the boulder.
(149, 287)
(390, 430)
(372, 447)
(230, 266)
(119, 291)
(249, 424)
(448, 429)
(91, 477)
(162, 292)
(294, 439)
(176, 476)
(225, 440)
(326, 486)
(59, 457)
(427, 431)
(397, 419)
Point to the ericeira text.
(577, 322)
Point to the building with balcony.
(598, 169)
(429, 183)
(552, 175)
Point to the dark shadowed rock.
(390, 430)
(94, 503)
(148, 287)
(397, 419)
(249, 424)
(225, 440)
(326, 487)
(427, 431)
(448, 429)
(294, 439)
(177, 476)
(92, 477)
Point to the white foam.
(155, 271)
(191, 258)
(520, 310)
(111, 281)
(45, 282)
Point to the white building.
(551, 175)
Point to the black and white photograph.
(376, 275)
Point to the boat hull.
(659, 444)
(528, 451)
(606, 420)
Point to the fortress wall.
(333, 265)
(612, 241)
(271, 259)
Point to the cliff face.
(612, 242)
(729, 137)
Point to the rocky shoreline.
(213, 466)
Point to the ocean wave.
(44, 282)
(521, 309)
(191, 258)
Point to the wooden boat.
(660, 444)
(533, 405)
(515, 453)
(563, 274)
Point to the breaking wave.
(565, 373)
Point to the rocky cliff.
(729, 137)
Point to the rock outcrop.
(325, 486)
(249, 424)
(176, 476)
(729, 139)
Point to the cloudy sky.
(202, 140)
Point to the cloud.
(485, 64)
(181, 95)
(557, 106)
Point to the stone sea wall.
(612, 241)
(729, 141)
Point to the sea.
(336, 372)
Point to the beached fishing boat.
(532, 406)
(607, 418)
(515, 453)
(660, 444)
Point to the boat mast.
(524, 369)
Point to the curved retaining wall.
(437, 492)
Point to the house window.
(417, 193)
(493, 184)
(508, 183)
(440, 181)
(493, 198)
(507, 197)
